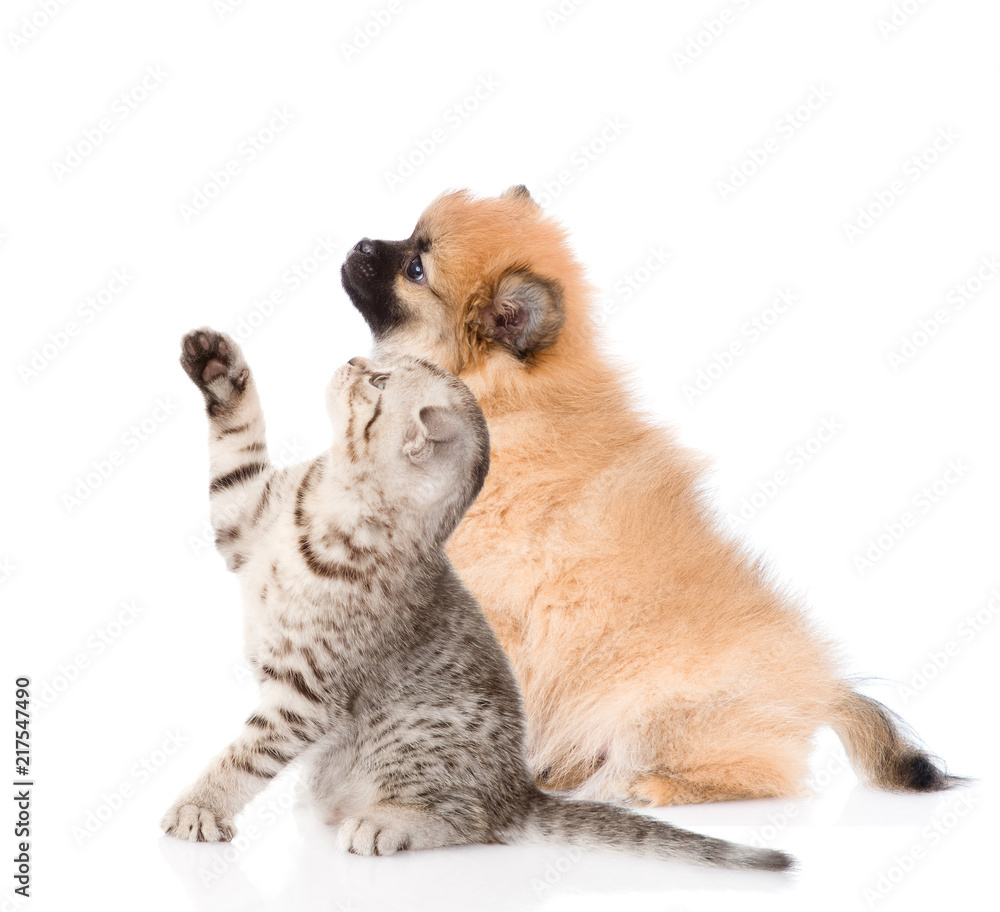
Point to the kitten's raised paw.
(215, 364)
(196, 824)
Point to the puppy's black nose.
(365, 245)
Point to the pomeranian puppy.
(659, 662)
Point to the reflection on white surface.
(849, 840)
(858, 849)
(291, 863)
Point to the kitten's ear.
(524, 313)
(429, 428)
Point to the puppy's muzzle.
(368, 277)
(362, 262)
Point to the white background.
(114, 694)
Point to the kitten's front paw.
(215, 363)
(197, 824)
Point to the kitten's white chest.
(268, 582)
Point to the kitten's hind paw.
(197, 824)
(385, 828)
(365, 836)
(215, 364)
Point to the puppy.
(659, 662)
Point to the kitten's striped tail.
(592, 825)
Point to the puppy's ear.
(519, 192)
(431, 428)
(524, 313)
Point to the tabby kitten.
(376, 665)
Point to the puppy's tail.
(592, 825)
(882, 749)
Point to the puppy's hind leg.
(776, 769)
(673, 763)
(710, 784)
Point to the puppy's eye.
(380, 381)
(415, 270)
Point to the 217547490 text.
(22, 787)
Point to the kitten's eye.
(379, 382)
(415, 270)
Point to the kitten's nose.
(362, 364)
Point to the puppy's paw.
(197, 824)
(364, 835)
(216, 366)
(652, 790)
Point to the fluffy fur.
(659, 662)
(376, 665)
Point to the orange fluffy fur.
(659, 662)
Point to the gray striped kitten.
(376, 665)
